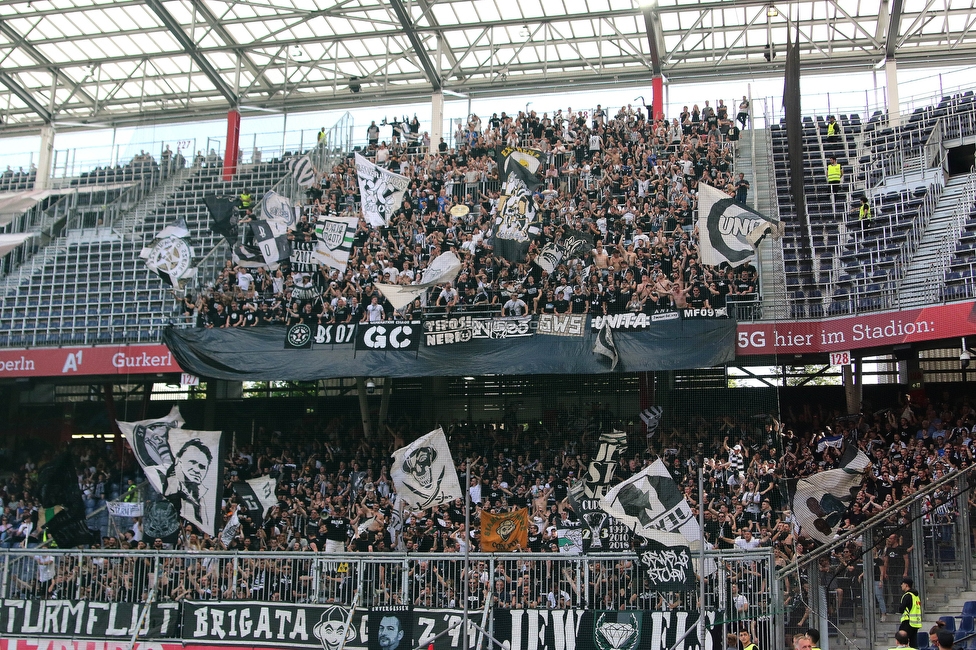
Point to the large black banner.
(258, 354)
(74, 618)
(320, 627)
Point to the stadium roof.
(119, 62)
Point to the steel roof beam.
(894, 25)
(25, 96)
(221, 31)
(432, 73)
(193, 52)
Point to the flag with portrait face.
(149, 441)
(193, 480)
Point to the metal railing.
(841, 588)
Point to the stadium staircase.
(754, 159)
(132, 218)
(925, 278)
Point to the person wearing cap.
(833, 129)
(911, 611)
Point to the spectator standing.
(743, 116)
(741, 189)
(911, 612)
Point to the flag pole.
(467, 549)
(701, 555)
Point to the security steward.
(246, 200)
(864, 214)
(901, 640)
(911, 612)
(835, 173)
(833, 129)
(745, 641)
(814, 635)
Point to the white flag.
(334, 239)
(443, 268)
(277, 210)
(231, 528)
(149, 440)
(124, 509)
(170, 254)
(423, 472)
(381, 192)
(257, 495)
(652, 505)
(728, 231)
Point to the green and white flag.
(334, 238)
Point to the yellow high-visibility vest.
(834, 173)
(914, 614)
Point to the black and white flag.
(303, 171)
(820, 500)
(182, 465)
(223, 216)
(278, 211)
(575, 243)
(509, 157)
(651, 417)
(516, 221)
(149, 440)
(274, 246)
(729, 231)
(652, 505)
(257, 496)
(669, 568)
(249, 257)
(381, 191)
(194, 481)
(424, 474)
(604, 345)
(170, 254)
(334, 239)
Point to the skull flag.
(504, 532)
(423, 472)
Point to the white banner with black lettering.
(124, 509)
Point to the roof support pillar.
(43, 179)
(233, 146)
(436, 118)
(891, 76)
(657, 97)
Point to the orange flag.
(507, 531)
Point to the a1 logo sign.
(840, 358)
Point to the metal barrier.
(847, 588)
(740, 590)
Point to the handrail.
(857, 531)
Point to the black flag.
(58, 483)
(223, 216)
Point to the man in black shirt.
(338, 530)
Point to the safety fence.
(740, 591)
(851, 589)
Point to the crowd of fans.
(335, 495)
(629, 182)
